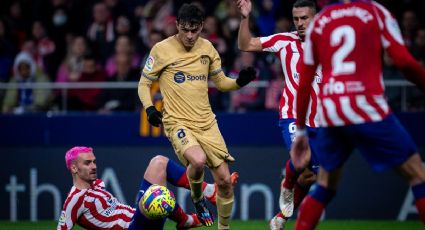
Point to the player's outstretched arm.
(246, 42)
(225, 84)
(410, 68)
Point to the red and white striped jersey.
(289, 49)
(347, 40)
(94, 208)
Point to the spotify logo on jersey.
(179, 77)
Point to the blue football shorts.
(383, 144)
(288, 128)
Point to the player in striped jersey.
(289, 49)
(91, 206)
(347, 40)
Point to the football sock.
(419, 194)
(224, 211)
(180, 217)
(299, 193)
(312, 207)
(144, 185)
(290, 175)
(177, 176)
(196, 187)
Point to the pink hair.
(73, 153)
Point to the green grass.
(251, 225)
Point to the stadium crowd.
(109, 40)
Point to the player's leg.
(156, 173)
(195, 171)
(190, 153)
(177, 176)
(225, 195)
(286, 198)
(387, 144)
(314, 204)
(333, 149)
(301, 189)
(413, 170)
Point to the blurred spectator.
(170, 26)
(116, 7)
(44, 48)
(121, 99)
(409, 24)
(418, 46)
(212, 32)
(157, 11)
(154, 37)
(122, 26)
(247, 98)
(101, 32)
(87, 99)
(123, 46)
(16, 21)
(7, 52)
(72, 65)
(266, 21)
(283, 25)
(25, 99)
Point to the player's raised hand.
(154, 116)
(244, 7)
(300, 152)
(246, 75)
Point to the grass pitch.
(250, 225)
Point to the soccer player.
(182, 64)
(91, 206)
(348, 40)
(289, 48)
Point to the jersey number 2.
(339, 66)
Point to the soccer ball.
(157, 202)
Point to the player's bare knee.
(198, 164)
(158, 162)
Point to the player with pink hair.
(91, 206)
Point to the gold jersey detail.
(183, 80)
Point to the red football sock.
(178, 215)
(290, 176)
(309, 214)
(299, 194)
(184, 182)
(420, 205)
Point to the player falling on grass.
(347, 39)
(289, 49)
(182, 64)
(91, 206)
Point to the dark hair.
(190, 14)
(306, 3)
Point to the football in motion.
(157, 202)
